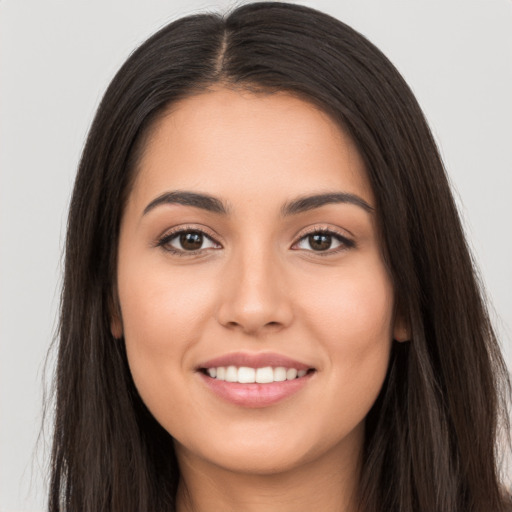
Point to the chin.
(252, 453)
(258, 462)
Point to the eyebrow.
(203, 201)
(214, 205)
(305, 203)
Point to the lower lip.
(255, 395)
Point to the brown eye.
(187, 241)
(320, 241)
(191, 241)
(324, 241)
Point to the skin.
(259, 286)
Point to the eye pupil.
(191, 241)
(320, 241)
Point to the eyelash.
(346, 243)
(170, 236)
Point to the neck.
(328, 483)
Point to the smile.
(247, 375)
(255, 380)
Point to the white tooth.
(264, 375)
(291, 374)
(279, 374)
(221, 373)
(301, 373)
(212, 372)
(246, 375)
(231, 374)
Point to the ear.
(401, 328)
(116, 323)
(116, 327)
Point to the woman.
(268, 301)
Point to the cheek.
(163, 315)
(351, 316)
(356, 304)
(159, 305)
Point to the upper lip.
(254, 360)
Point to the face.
(255, 305)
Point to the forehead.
(236, 143)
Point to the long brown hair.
(431, 436)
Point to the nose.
(254, 297)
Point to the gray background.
(56, 58)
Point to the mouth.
(255, 380)
(248, 375)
